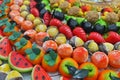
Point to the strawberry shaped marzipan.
(66, 31)
(32, 4)
(78, 31)
(35, 12)
(55, 22)
(97, 37)
(112, 37)
(47, 18)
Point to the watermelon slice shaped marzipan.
(38, 73)
(5, 48)
(19, 62)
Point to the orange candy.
(15, 7)
(65, 50)
(38, 59)
(17, 40)
(93, 74)
(18, 19)
(64, 70)
(105, 74)
(22, 50)
(80, 54)
(31, 33)
(114, 58)
(39, 37)
(26, 25)
(50, 44)
(9, 33)
(100, 59)
(14, 13)
(53, 68)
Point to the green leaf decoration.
(53, 54)
(58, 9)
(14, 36)
(21, 44)
(28, 51)
(34, 45)
(35, 49)
(2, 14)
(45, 2)
(71, 69)
(18, 46)
(51, 62)
(6, 1)
(101, 22)
(50, 58)
(33, 56)
(34, 52)
(48, 8)
(9, 27)
(80, 74)
(67, 17)
(46, 39)
(3, 21)
(23, 41)
(47, 57)
(3, 6)
(113, 77)
(80, 20)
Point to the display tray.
(54, 76)
(74, 26)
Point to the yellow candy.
(41, 28)
(24, 14)
(61, 39)
(37, 21)
(26, 2)
(5, 68)
(78, 42)
(13, 74)
(30, 17)
(52, 31)
(93, 47)
(24, 8)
